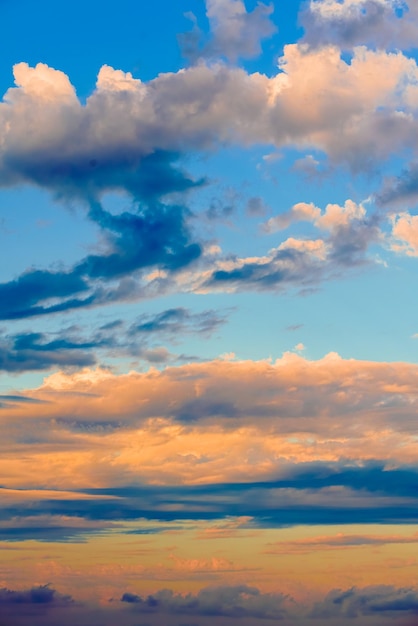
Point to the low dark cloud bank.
(224, 605)
(312, 493)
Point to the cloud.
(231, 603)
(236, 392)
(340, 541)
(308, 494)
(49, 528)
(155, 236)
(175, 321)
(221, 104)
(255, 207)
(6, 399)
(234, 32)
(239, 602)
(159, 238)
(302, 262)
(20, 297)
(67, 348)
(129, 134)
(41, 595)
(99, 146)
(379, 600)
(310, 167)
(327, 441)
(348, 23)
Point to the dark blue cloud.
(226, 605)
(43, 594)
(6, 399)
(154, 234)
(314, 494)
(144, 177)
(30, 351)
(240, 601)
(384, 601)
(178, 320)
(33, 351)
(20, 297)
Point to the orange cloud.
(186, 423)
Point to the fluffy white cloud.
(316, 99)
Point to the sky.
(208, 313)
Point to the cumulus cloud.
(330, 386)
(101, 145)
(174, 321)
(34, 351)
(294, 263)
(347, 23)
(404, 239)
(380, 600)
(350, 232)
(239, 602)
(234, 32)
(129, 134)
(400, 192)
(334, 216)
(324, 441)
(156, 236)
(42, 595)
(231, 603)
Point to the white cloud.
(48, 136)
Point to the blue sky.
(208, 348)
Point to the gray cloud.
(401, 191)
(238, 602)
(380, 23)
(234, 32)
(43, 594)
(382, 600)
(308, 493)
(226, 605)
(155, 235)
